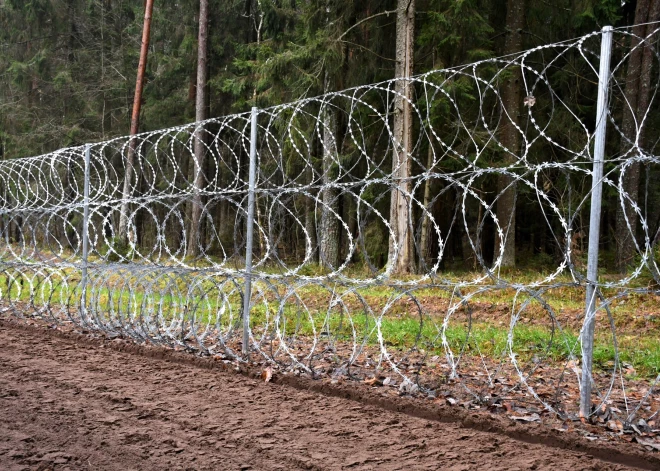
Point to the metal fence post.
(85, 236)
(250, 234)
(594, 223)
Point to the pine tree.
(510, 136)
(637, 96)
(194, 240)
(402, 258)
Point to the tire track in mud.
(66, 404)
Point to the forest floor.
(74, 401)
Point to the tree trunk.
(310, 217)
(135, 121)
(400, 255)
(638, 95)
(424, 239)
(195, 241)
(510, 137)
(258, 25)
(329, 244)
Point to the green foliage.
(118, 250)
(376, 245)
(67, 75)
(455, 32)
(68, 67)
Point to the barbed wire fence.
(293, 258)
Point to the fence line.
(293, 259)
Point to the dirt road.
(71, 405)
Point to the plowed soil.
(67, 404)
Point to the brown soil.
(69, 401)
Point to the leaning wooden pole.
(135, 120)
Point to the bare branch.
(363, 20)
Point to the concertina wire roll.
(323, 189)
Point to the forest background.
(67, 77)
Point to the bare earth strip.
(71, 405)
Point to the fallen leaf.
(615, 425)
(267, 374)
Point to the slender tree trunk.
(424, 239)
(103, 68)
(638, 95)
(135, 121)
(329, 249)
(402, 262)
(351, 219)
(310, 217)
(195, 241)
(258, 25)
(329, 234)
(510, 136)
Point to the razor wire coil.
(325, 171)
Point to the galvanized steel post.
(250, 234)
(85, 237)
(594, 223)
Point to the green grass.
(401, 330)
(404, 332)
